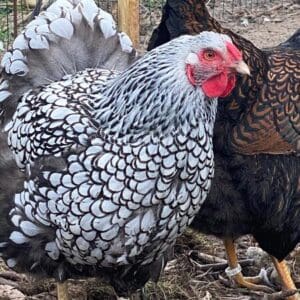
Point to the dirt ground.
(197, 272)
(266, 25)
(265, 22)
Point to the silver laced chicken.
(104, 165)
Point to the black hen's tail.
(70, 36)
(172, 24)
(292, 42)
(182, 17)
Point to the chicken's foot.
(62, 291)
(285, 277)
(235, 271)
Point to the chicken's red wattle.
(219, 86)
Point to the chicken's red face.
(215, 70)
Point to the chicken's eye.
(209, 54)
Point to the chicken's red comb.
(234, 51)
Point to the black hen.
(256, 189)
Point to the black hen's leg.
(234, 270)
(285, 277)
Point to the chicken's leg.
(62, 291)
(285, 277)
(234, 270)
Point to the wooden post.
(15, 16)
(129, 19)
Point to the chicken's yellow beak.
(242, 68)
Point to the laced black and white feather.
(116, 164)
(120, 195)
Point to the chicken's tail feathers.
(293, 41)
(161, 34)
(181, 17)
(70, 36)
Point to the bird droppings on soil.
(187, 276)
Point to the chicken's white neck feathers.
(155, 97)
